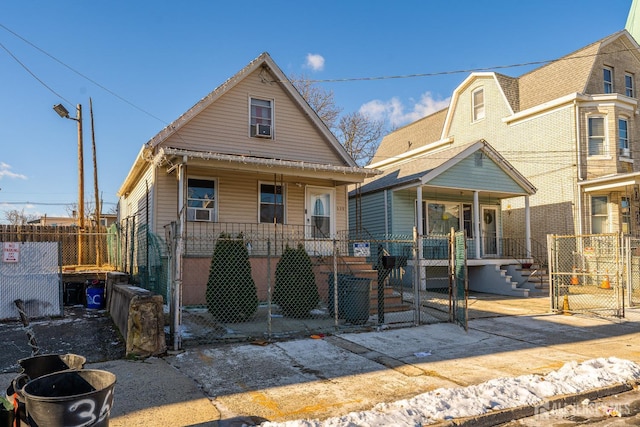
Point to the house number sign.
(10, 252)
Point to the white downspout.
(579, 168)
(476, 222)
(527, 225)
(420, 235)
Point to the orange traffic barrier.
(574, 277)
(605, 283)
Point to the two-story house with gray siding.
(569, 127)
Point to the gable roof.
(153, 152)
(262, 61)
(426, 168)
(410, 137)
(531, 89)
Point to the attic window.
(477, 99)
(261, 122)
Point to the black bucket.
(44, 364)
(37, 366)
(70, 398)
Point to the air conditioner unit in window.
(200, 214)
(625, 152)
(263, 131)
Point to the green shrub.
(295, 289)
(231, 292)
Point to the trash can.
(342, 285)
(356, 300)
(35, 367)
(353, 298)
(95, 295)
(70, 398)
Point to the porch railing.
(200, 237)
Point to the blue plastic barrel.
(95, 297)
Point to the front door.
(489, 231)
(320, 219)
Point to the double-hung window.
(597, 146)
(599, 214)
(201, 199)
(628, 85)
(271, 204)
(477, 99)
(261, 123)
(607, 76)
(623, 137)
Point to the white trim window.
(261, 118)
(628, 85)
(271, 207)
(597, 136)
(607, 77)
(623, 137)
(599, 214)
(477, 101)
(625, 215)
(201, 199)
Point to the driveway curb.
(556, 402)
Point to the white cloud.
(315, 61)
(5, 171)
(395, 113)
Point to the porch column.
(419, 237)
(527, 225)
(419, 219)
(476, 223)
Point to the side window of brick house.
(607, 76)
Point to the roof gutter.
(258, 161)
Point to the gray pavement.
(226, 385)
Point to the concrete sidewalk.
(318, 378)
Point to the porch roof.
(609, 183)
(303, 169)
(425, 169)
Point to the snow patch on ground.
(496, 394)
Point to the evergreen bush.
(231, 292)
(295, 289)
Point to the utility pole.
(62, 112)
(80, 182)
(95, 187)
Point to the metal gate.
(459, 282)
(587, 274)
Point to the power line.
(49, 203)
(74, 71)
(32, 73)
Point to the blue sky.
(143, 63)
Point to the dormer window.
(261, 123)
(607, 75)
(477, 99)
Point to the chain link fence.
(143, 255)
(632, 271)
(30, 279)
(273, 281)
(587, 273)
